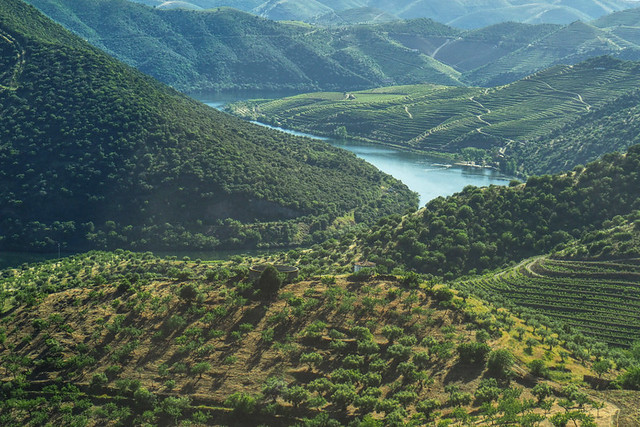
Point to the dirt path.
(406, 108)
(9, 78)
(577, 95)
(435, 52)
(479, 116)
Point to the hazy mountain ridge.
(459, 13)
(228, 49)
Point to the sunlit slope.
(132, 339)
(448, 120)
(95, 154)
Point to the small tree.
(200, 368)
(391, 333)
(541, 391)
(243, 404)
(296, 395)
(188, 292)
(538, 368)
(500, 362)
(601, 367)
(311, 359)
(270, 281)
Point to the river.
(430, 177)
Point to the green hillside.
(129, 339)
(591, 285)
(493, 126)
(224, 49)
(95, 154)
(568, 45)
(480, 229)
(612, 127)
(359, 15)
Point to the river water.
(430, 177)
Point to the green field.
(598, 298)
(449, 119)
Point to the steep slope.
(477, 48)
(591, 285)
(612, 127)
(227, 49)
(95, 154)
(130, 339)
(493, 126)
(360, 15)
(569, 45)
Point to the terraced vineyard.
(599, 298)
(447, 119)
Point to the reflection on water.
(427, 176)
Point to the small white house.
(363, 264)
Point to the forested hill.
(225, 49)
(483, 228)
(96, 154)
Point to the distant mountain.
(459, 13)
(95, 154)
(228, 49)
(567, 45)
(360, 15)
(510, 125)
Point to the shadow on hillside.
(463, 372)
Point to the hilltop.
(132, 339)
(95, 154)
(508, 127)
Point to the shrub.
(188, 292)
(243, 404)
(296, 395)
(538, 368)
(473, 353)
(270, 281)
(500, 363)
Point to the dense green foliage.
(497, 126)
(591, 285)
(482, 228)
(95, 154)
(224, 49)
